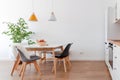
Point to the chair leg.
(15, 65)
(23, 71)
(68, 61)
(54, 67)
(13, 68)
(37, 67)
(64, 62)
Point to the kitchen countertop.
(117, 42)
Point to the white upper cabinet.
(117, 11)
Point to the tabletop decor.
(41, 42)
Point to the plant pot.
(14, 53)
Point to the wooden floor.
(81, 70)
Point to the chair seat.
(59, 56)
(34, 57)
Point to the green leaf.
(18, 31)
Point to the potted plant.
(18, 31)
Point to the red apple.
(42, 40)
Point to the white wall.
(78, 21)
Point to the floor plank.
(81, 70)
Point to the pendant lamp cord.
(116, 7)
(32, 6)
(52, 6)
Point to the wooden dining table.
(48, 48)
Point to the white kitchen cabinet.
(117, 11)
(106, 53)
(116, 62)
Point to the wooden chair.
(18, 62)
(64, 56)
(26, 61)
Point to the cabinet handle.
(105, 42)
(116, 19)
(115, 57)
(115, 68)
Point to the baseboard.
(87, 60)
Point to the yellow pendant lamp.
(33, 16)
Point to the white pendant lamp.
(52, 16)
(33, 16)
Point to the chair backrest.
(65, 53)
(22, 56)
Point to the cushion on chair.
(34, 57)
(58, 56)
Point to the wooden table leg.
(54, 64)
(35, 52)
(44, 56)
(61, 48)
(40, 55)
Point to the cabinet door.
(116, 52)
(116, 71)
(116, 62)
(106, 53)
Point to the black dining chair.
(26, 61)
(64, 56)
